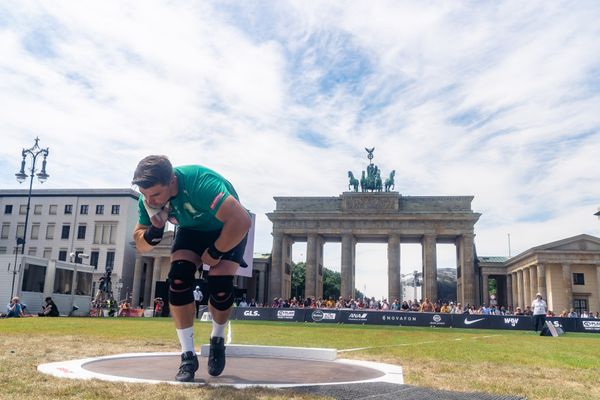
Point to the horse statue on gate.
(363, 182)
(353, 183)
(389, 182)
(378, 184)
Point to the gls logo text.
(250, 313)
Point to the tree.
(332, 282)
(298, 279)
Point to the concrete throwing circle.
(247, 366)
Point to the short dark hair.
(48, 299)
(153, 170)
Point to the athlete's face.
(157, 196)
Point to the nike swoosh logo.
(467, 322)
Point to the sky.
(498, 100)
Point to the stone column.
(310, 287)
(598, 283)
(520, 302)
(533, 281)
(568, 285)
(148, 286)
(541, 280)
(155, 277)
(429, 267)
(394, 279)
(347, 269)
(515, 288)
(319, 281)
(286, 255)
(468, 268)
(485, 289)
(276, 273)
(526, 287)
(137, 281)
(509, 297)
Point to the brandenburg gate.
(372, 216)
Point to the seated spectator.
(427, 306)
(14, 309)
(550, 313)
(158, 306)
(458, 309)
(404, 306)
(243, 303)
(415, 306)
(385, 305)
(518, 311)
(564, 314)
(252, 303)
(584, 314)
(49, 309)
(528, 310)
(573, 314)
(444, 308)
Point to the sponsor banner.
(413, 319)
(479, 321)
(566, 324)
(358, 317)
(251, 313)
(322, 315)
(511, 322)
(588, 325)
(287, 314)
(471, 321)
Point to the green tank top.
(200, 193)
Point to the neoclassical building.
(565, 272)
(380, 217)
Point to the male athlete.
(212, 230)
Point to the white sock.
(186, 338)
(218, 329)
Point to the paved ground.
(391, 391)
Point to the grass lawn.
(502, 362)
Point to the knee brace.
(220, 291)
(181, 282)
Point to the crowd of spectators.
(425, 305)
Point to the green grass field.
(502, 362)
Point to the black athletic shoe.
(188, 367)
(216, 356)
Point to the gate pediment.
(575, 243)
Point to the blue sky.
(498, 100)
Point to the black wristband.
(153, 235)
(214, 252)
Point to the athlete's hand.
(208, 260)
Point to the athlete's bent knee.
(181, 282)
(220, 291)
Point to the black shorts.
(198, 241)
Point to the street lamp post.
(34, 152)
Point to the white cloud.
(494, 100)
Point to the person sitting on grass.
(50, 309)
(14, 309)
